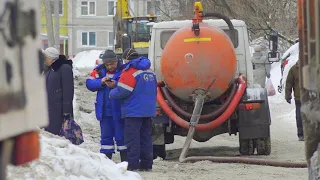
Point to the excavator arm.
(122, 11)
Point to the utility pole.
(56, 24)
(49, 23)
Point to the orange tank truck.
(192, 62)
(206, 87)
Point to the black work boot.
(109, 155)
(159, 151)
(123, 156)
(301, 138)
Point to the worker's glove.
(288, 101)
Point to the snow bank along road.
(285, 146)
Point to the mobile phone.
(109, 80)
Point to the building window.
(149, 8)
(157, 8)
(153, 7)
(60, 7)
(88, 39)
(111, 7)
(88, 8)
(111, 39)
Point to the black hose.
(209, 116)
(221, 16)
(246, 160)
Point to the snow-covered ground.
(61, 160)
(86, 59)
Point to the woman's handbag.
(72, 131)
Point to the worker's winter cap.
(109, 56)
(130, 54)
(51, 53)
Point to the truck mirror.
(273, 56)
(273, 41)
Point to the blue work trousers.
(139, 143)
(112, 129)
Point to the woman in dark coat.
(60, 89)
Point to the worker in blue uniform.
(137, 89)
(102, 79)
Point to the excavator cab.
(137, 28)
(136, 34)
(131, 31)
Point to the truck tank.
(190, 62)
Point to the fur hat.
(51, 53)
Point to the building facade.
(88, 24)
(63, 21)
(145, 7)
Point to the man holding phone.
(108, 111)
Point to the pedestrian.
(292, 83)
(60, 89)
(102, 79)
(137, 89)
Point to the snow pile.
(62, 160)
(276, 67)
(76, 72)
(86, 59)
(275, 75)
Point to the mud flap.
(254, 123)
(161, 135)
(161, 130)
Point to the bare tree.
(56, 4)
(49, 23)
(261, 16)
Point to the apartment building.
(145, 7)
(90, 25)
(90, 22)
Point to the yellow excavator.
(131, 32)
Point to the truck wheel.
(264, 146)
(246, 146)
(6, 148)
